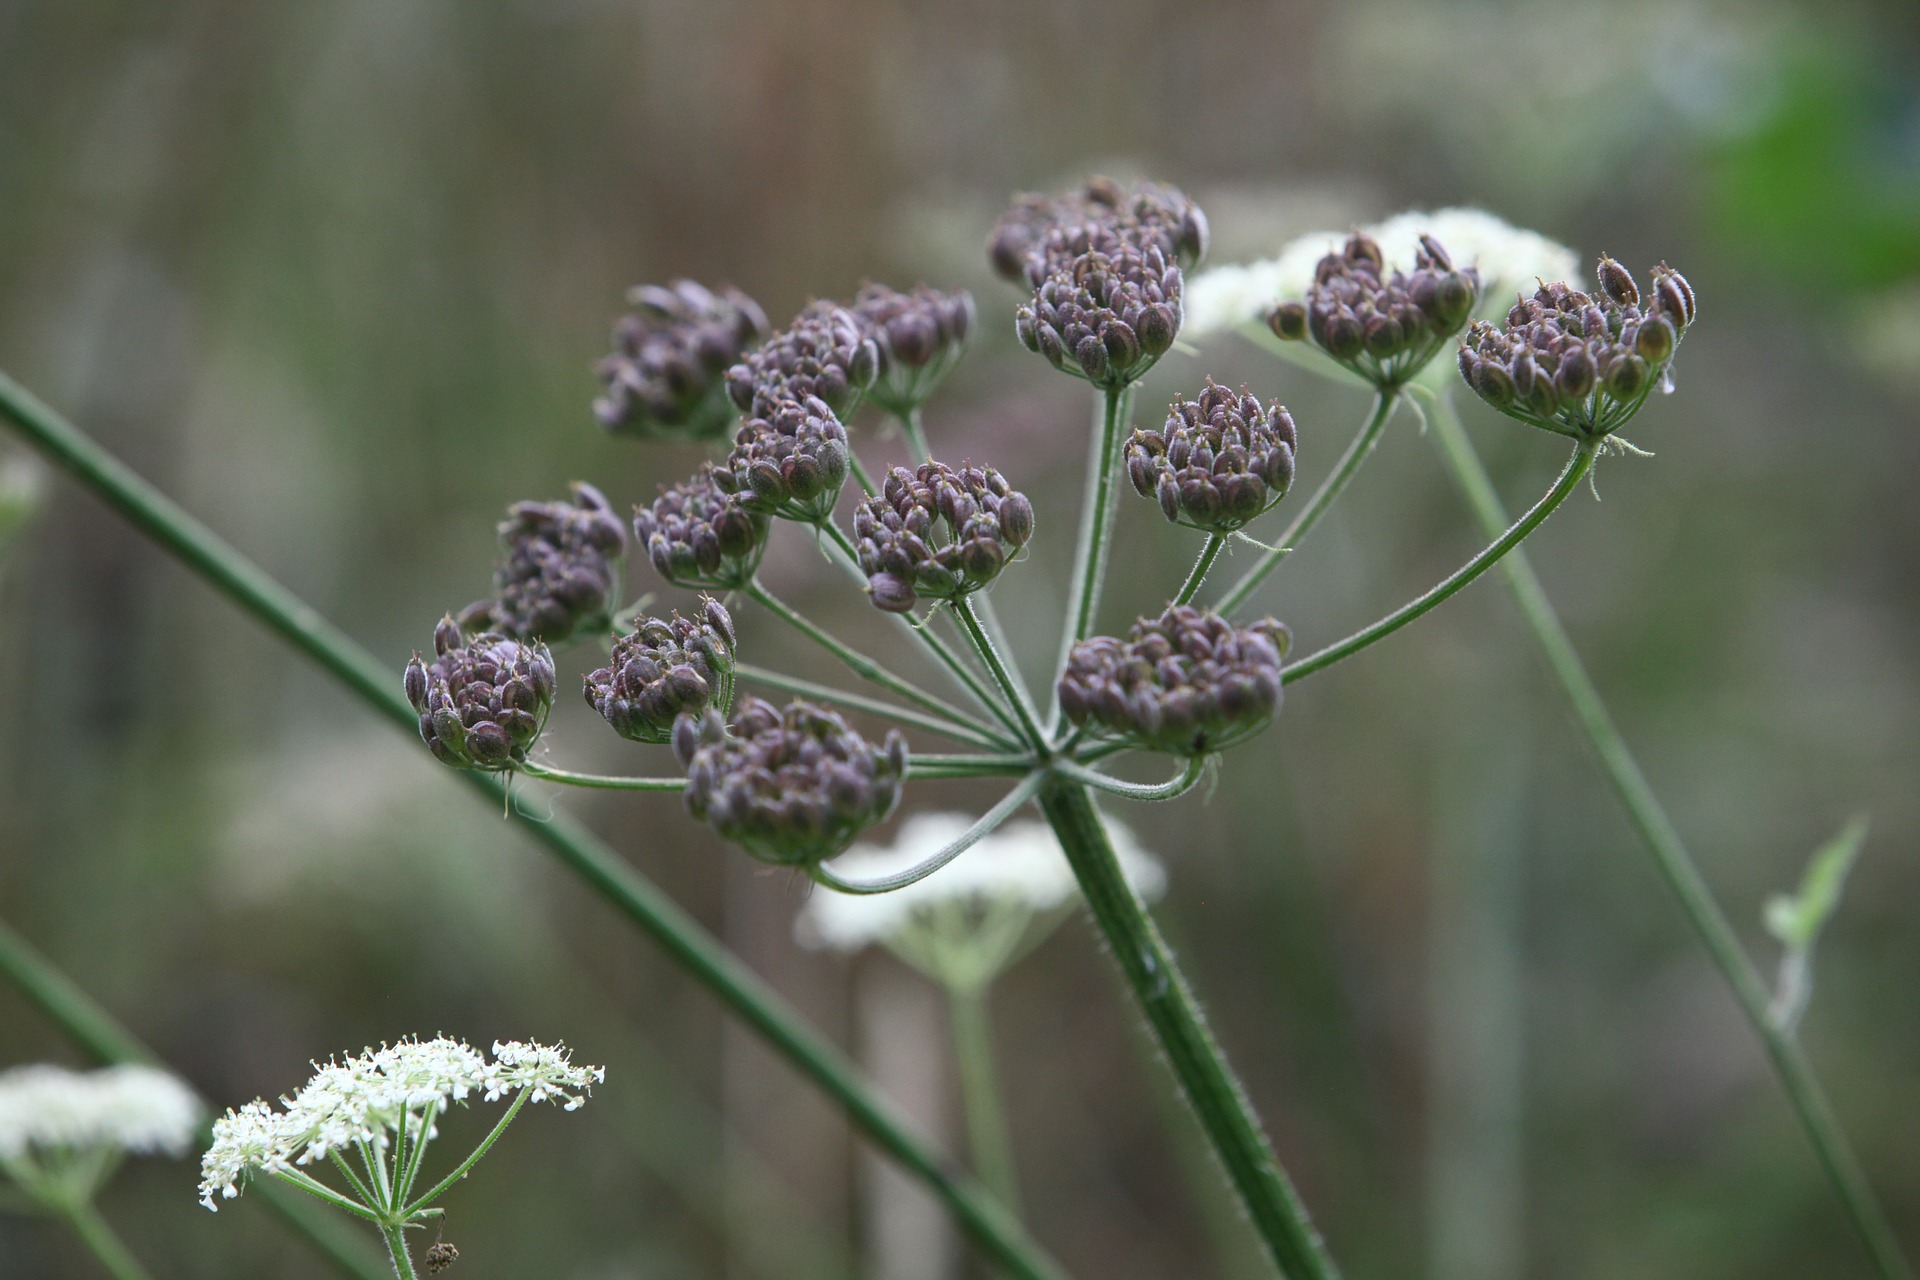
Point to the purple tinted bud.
(1039, 233)
(1106, 312)
(700, 536)
(482, 701)
(667, 669)
(557, 578)
(1220, 461)
(826, 354)
(938, 531)
(1383, 325)
(790, 463)
(665, 378)
(919, 336)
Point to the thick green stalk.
(1208, 554)
(636, 897)
(1096, 522)
(987, 1139)
(96, 1031)
(106, 1246)
(396, 1237)
(1197, 1062)
(1323, 497)
(1570, 476)
(1662, 840)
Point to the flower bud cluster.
(938, 531)
(1041, 234)
(793, 787)
(1188, 682)
(668, 667)
(700, 537)
(1219, 462)
(1105, 314)
(666, 376)
(558, 577)
(920, 335)
(1383, 325)
(789, 463)
(1581, 364)
(825, 354)
(482, 700)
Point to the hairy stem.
(1677, 866)
(396, 1237)
(1323, 498)
(600, 781)
(987, 1139)
(1002, 675)
(1197, 1062)
(1201, 567)
(613, 878)
(1096, 521)
(1570, 476)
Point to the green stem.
(858, 663)
(1096, 521)
(97, 1031)
(1208, 554)
(1178, 785)
(860, 475)
(987, 1139)
(1009, 804)
(327, 1195)
(871, 706)
(606, 873)
(486, 1144)
(1576, 469)
(1323, 497)
(970, 766)
(396, 1237)
(411, 1170)
(600, 781)
(1197, 1062)
(100, 1238)
(916, 433)
(1677, 866)
(1009, 683)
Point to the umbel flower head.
(1035, 236)
(1219, 462)
(668, 667)
(792, 787)
(1105, 315)
(938, 531)
(1581, 364)
(379, 1097)
(483, 699)
(1383, 325)
(666, 377)
(697, 535)
(131, 1109)
(920, 335)
(965, 924)
(789, 463)
(826, 353)
(1187, 682)
(558, 576)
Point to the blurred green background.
(335, 275)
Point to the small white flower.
(365, 1098)
(1509, 259)
(1018, 868)
(131, 1108)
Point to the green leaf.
(1796, 920)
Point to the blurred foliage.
(336, 276)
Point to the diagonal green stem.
(860, 702)
(1003, 676)
(633, 895)
(1323, 498)
(1096, 522)
(987, 1139)
(1201, 567)
(1570, 476)
(1676, 864)
(1197, 1062)
(916, 432)
(96, 1030)
(102, 1240)
(600, 781)
(1012, 765)
(486, 1144)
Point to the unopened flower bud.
(668, 668)
(697, 535)
(1220, 461)
(938, 531)
(483, 701)
(666, 376)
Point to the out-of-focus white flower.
(366, 1098)
(137, 1109)
(1509, 258)
(971, 918)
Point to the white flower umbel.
(966, 923)
(382, 1107)
(63, 1133)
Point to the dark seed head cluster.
(667, 668)
(1383, 325)
(558, 575)
(1105, 314)
(789, 463)
(792, 787)
(1040, 234)
(920, 335)
(825, 354)
(482, 700)
(1220, 461)
(666, 377)
(1187, 682)
(1581, 364)
(697, 535)
(938, 531)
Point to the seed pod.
(667, 669)
(557, 578)
(482, 701)
(1384, 326)
(665, 378)
(826, 354)
(920, 337)
(699, 536)
(938, 531)
(790, 463)
(1221, 461)
(1106, 314)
